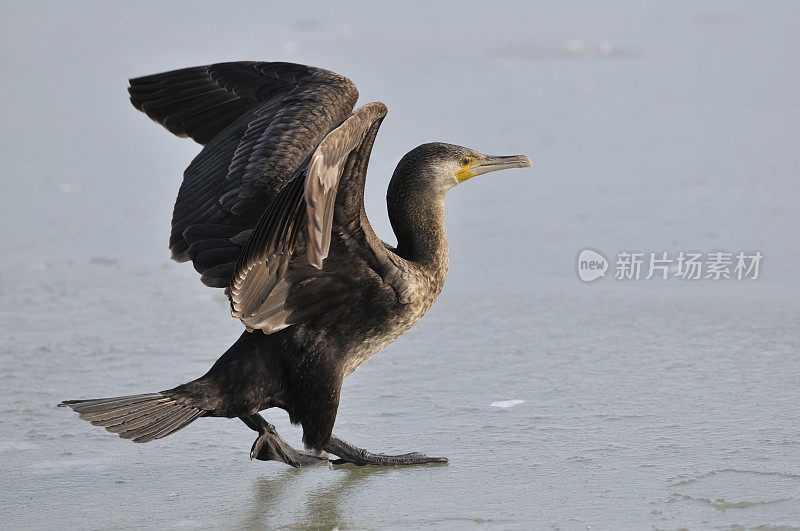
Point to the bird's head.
(437, 167)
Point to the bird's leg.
(351, 454)
(269, 446)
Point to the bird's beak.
(492, 163)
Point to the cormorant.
(272, 210)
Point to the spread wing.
(313, 254)
(258, 121)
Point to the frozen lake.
(611, 404)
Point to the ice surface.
(661, 404)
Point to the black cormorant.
(272, 210)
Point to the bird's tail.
(142, 418)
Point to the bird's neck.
(418, 222)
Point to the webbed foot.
(348, 453)
(269, 446)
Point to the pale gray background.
(650, 403)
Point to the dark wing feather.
(201, 101)
(258, 122)
(313, 249)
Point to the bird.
(272, 211)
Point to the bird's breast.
(387, 328)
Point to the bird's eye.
(465, 161)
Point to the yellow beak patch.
(466, 169)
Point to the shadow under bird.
(272, 210)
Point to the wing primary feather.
(325, 171)
(310, 195)
(257, 121)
